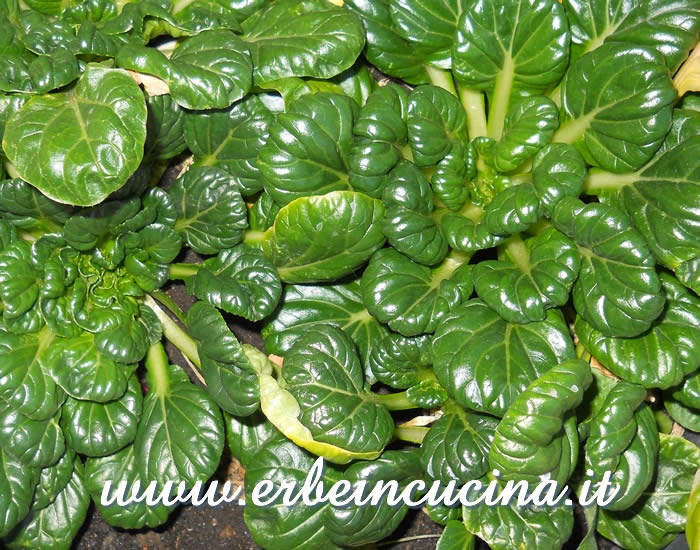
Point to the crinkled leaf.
(322, 238)
(618, 291)
(164, 128)
(411, 298)
(558, 171)
(303, 306)
(17, 484)
(457, 446)
(660, 514)
(512, 211)
(324, 374)
(122, 467)
(36, 443)
(53, 479)
(100, 429)
(307, 151)
(229, 139)
(485, 362)
(211, 215)
(58, 524)
(240, 280)
(231, 379)
(208, 71)
(302, 38)
(537, 276)
(90, 160)
(616, 118)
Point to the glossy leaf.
(122, 466)
(36, 443)
(324, 238)
(164, 128)
(660, 514)
(53, 479)
(659, 358)
(56, 525)
(240, 280)
(537, 276)
(412, 299)
(89, 161)
(303, 306)
(536, 440)
(208, 71)
(323, 373)
(100, 429)
(307, 38)
(624, 440)
(616, 119)
(558, 171)
(306, 153)
(618, 291)
(17, 484)
(456, 537)
(211, 214)
(180, 435)
(485, 362)
(457, 446)
(229, 140)
(231, 379)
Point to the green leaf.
(122, 467)
(508, 527)
(323, 238)
(100, 429)
(485, 362)
(624, 440)
(662, 198)
(181, 433)
(512, 211)
(303, 306)
(164, 128)
(229, 139)
(240, 280)
(537, 440)
(411, 298)
(302, 38)
(246, 435)
(280, 527)
(83, 372)
(688, 417)
(408, 224)
(691, 531)
(496, 51)
(668, 27)
(263, 213)
(36, 443)
(17, 484)
(324, 374)
(53, 479)
(25, 207)
(435, 119)
(457, 446)
(307, 151)
(90, 161)
(385, 48)
(429, 27)
(458, 166)
(618, 291)
(25, 383)
(616, 119)
(558, 171)
(660, 514)
(529, 126)
(442, 514)
(355, 525)
(231, 379)
(456, 537)
(58, 524)
(659, 358)
(211, 215)
(208, 71)
(401, 362)
(537, 276)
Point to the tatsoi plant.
(498, 230)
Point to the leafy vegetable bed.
(503, 240)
